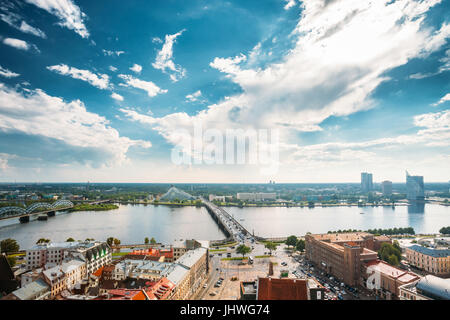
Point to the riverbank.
(262, 204)
(94, 207)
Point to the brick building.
(343, 254)
(385, 280)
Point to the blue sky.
(97, 92)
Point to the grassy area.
(119, 254)
(218, 250)
(16, 255)
(226, 245)
(94, 207)
(264, 256)
(234, 258)
(277, 242)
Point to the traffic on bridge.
(234, 228)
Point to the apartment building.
(64, 276)
(187, 273)
(433, 260)
(385, 280)
(196, 261)
(343, 254)
(94, 254)
(257, 196)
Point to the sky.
(106, 93)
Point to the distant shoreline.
(281, 205)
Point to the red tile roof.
(126, 294)
(282, 289)
(99, 272)
(168, 253)
(162, 289)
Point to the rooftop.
(438, 288)
(282, 289)
(436, 253)
(191, 257)
(341, 237)
(391, 271)
(29, 291)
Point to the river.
(132, 223)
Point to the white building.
(93, 254)
(257, 196)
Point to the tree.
(300, 245)
(146, 241)
(388, 250)
(271, 246)
(243, 249)
(70, 240)
(12, 261)
(9, 245)
(110, 241)
(445, 230)
(393, 260)
(152, 241)
(42, 240)
(116, 242)
(291, 241)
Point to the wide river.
(132, 223)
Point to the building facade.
(384, 279)
(435, 261)
(259, 196)
(366, 182)
(343, 254)
(386, 188)
(415, 190)
(94, 254)
(427, 288)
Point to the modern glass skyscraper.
(414, 188)
(386, 188)
(366, 182)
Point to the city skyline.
(94, 93)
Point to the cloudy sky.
(96, 92)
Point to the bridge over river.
(230, 226)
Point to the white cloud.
(342, 51)
(434, 120)
(445, 66)
(194, 96)
(136, 68)
(148, 86)
(157, 40)
(7, 73)
(36, 113)
(67, 12)
(230, 65)
(17, 43)
(164, 57)
(113, 69)
(442, 100)
(289, 4)
(112, 53)
(25, 27)
(100, 81)
(16, 21)
(116, 96)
